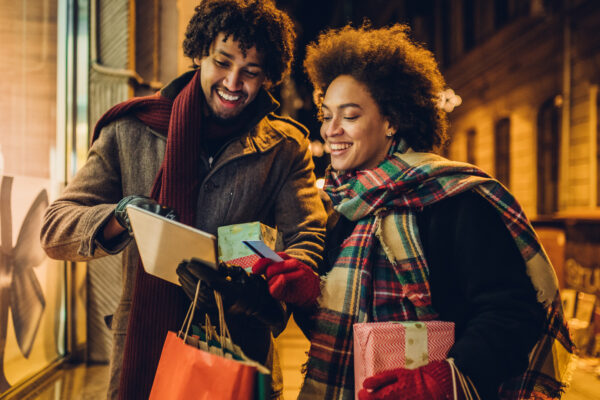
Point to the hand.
(429, 382)
(189, 281)
(242, 293)
(290, 280)
(143, 202)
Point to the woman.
(417, 237)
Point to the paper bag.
(207, 366)
(185, 372)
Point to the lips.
(339, 146)
(229, 99)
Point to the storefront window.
(547, 157)
(502, 151)
(31, 286)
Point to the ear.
(196, 61)
(390, 130)
(267, 84)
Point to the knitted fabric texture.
(159, 306)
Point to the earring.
(389, 134)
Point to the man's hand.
(290, 280)
(189, 282)
(242, 293)
(142, 202)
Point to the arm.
(299, 211)
(478, 279)
(73, 224)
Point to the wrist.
(112, 229)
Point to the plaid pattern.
(364, 286)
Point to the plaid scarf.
(370, 282)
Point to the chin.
(341, 167)
(225, 115)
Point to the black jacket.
(478, 280)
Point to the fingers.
(260, 266)
(189, 284)
(288, 267)
(203, 272)
(185, 277)
(382, 379)
(170, 213)
(364, 394)
(281, 268)
(277, 287)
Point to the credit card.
(259, 247)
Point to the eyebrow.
(231, 58)
(342, 106)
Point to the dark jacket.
(478, 281)
(264, 174)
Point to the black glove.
(143, 202)
(206, 297)
(242, 293)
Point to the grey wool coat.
(265, 174)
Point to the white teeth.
(227, 96)
(339, 146)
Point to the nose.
(331, 128)
(232, 81)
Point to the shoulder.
(129, 129)
(465, 204)
(466, 222)
(464, 215)
(287, 127)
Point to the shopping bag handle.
(467, 386)
(223, 328)
(223, 334)
(187, 321)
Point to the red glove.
(290, 280)
(429, 382)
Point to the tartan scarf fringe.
(384, 202)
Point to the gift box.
(233, 251)
(381, 346)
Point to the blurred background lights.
(318, 148)
(449, 100)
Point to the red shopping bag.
(381, 346)
(186, 372)
(204, 368)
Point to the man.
(208, 148)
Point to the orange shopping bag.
(190, 368)
(186, 372)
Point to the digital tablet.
(164, 243)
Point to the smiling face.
(229, 80)
(353, 126)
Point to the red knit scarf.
(159, 306)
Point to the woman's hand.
(290, 280)
(429, 382)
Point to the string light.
(449, 100)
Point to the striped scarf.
(370, 281)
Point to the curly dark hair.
(401, 75)
(252, 23)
